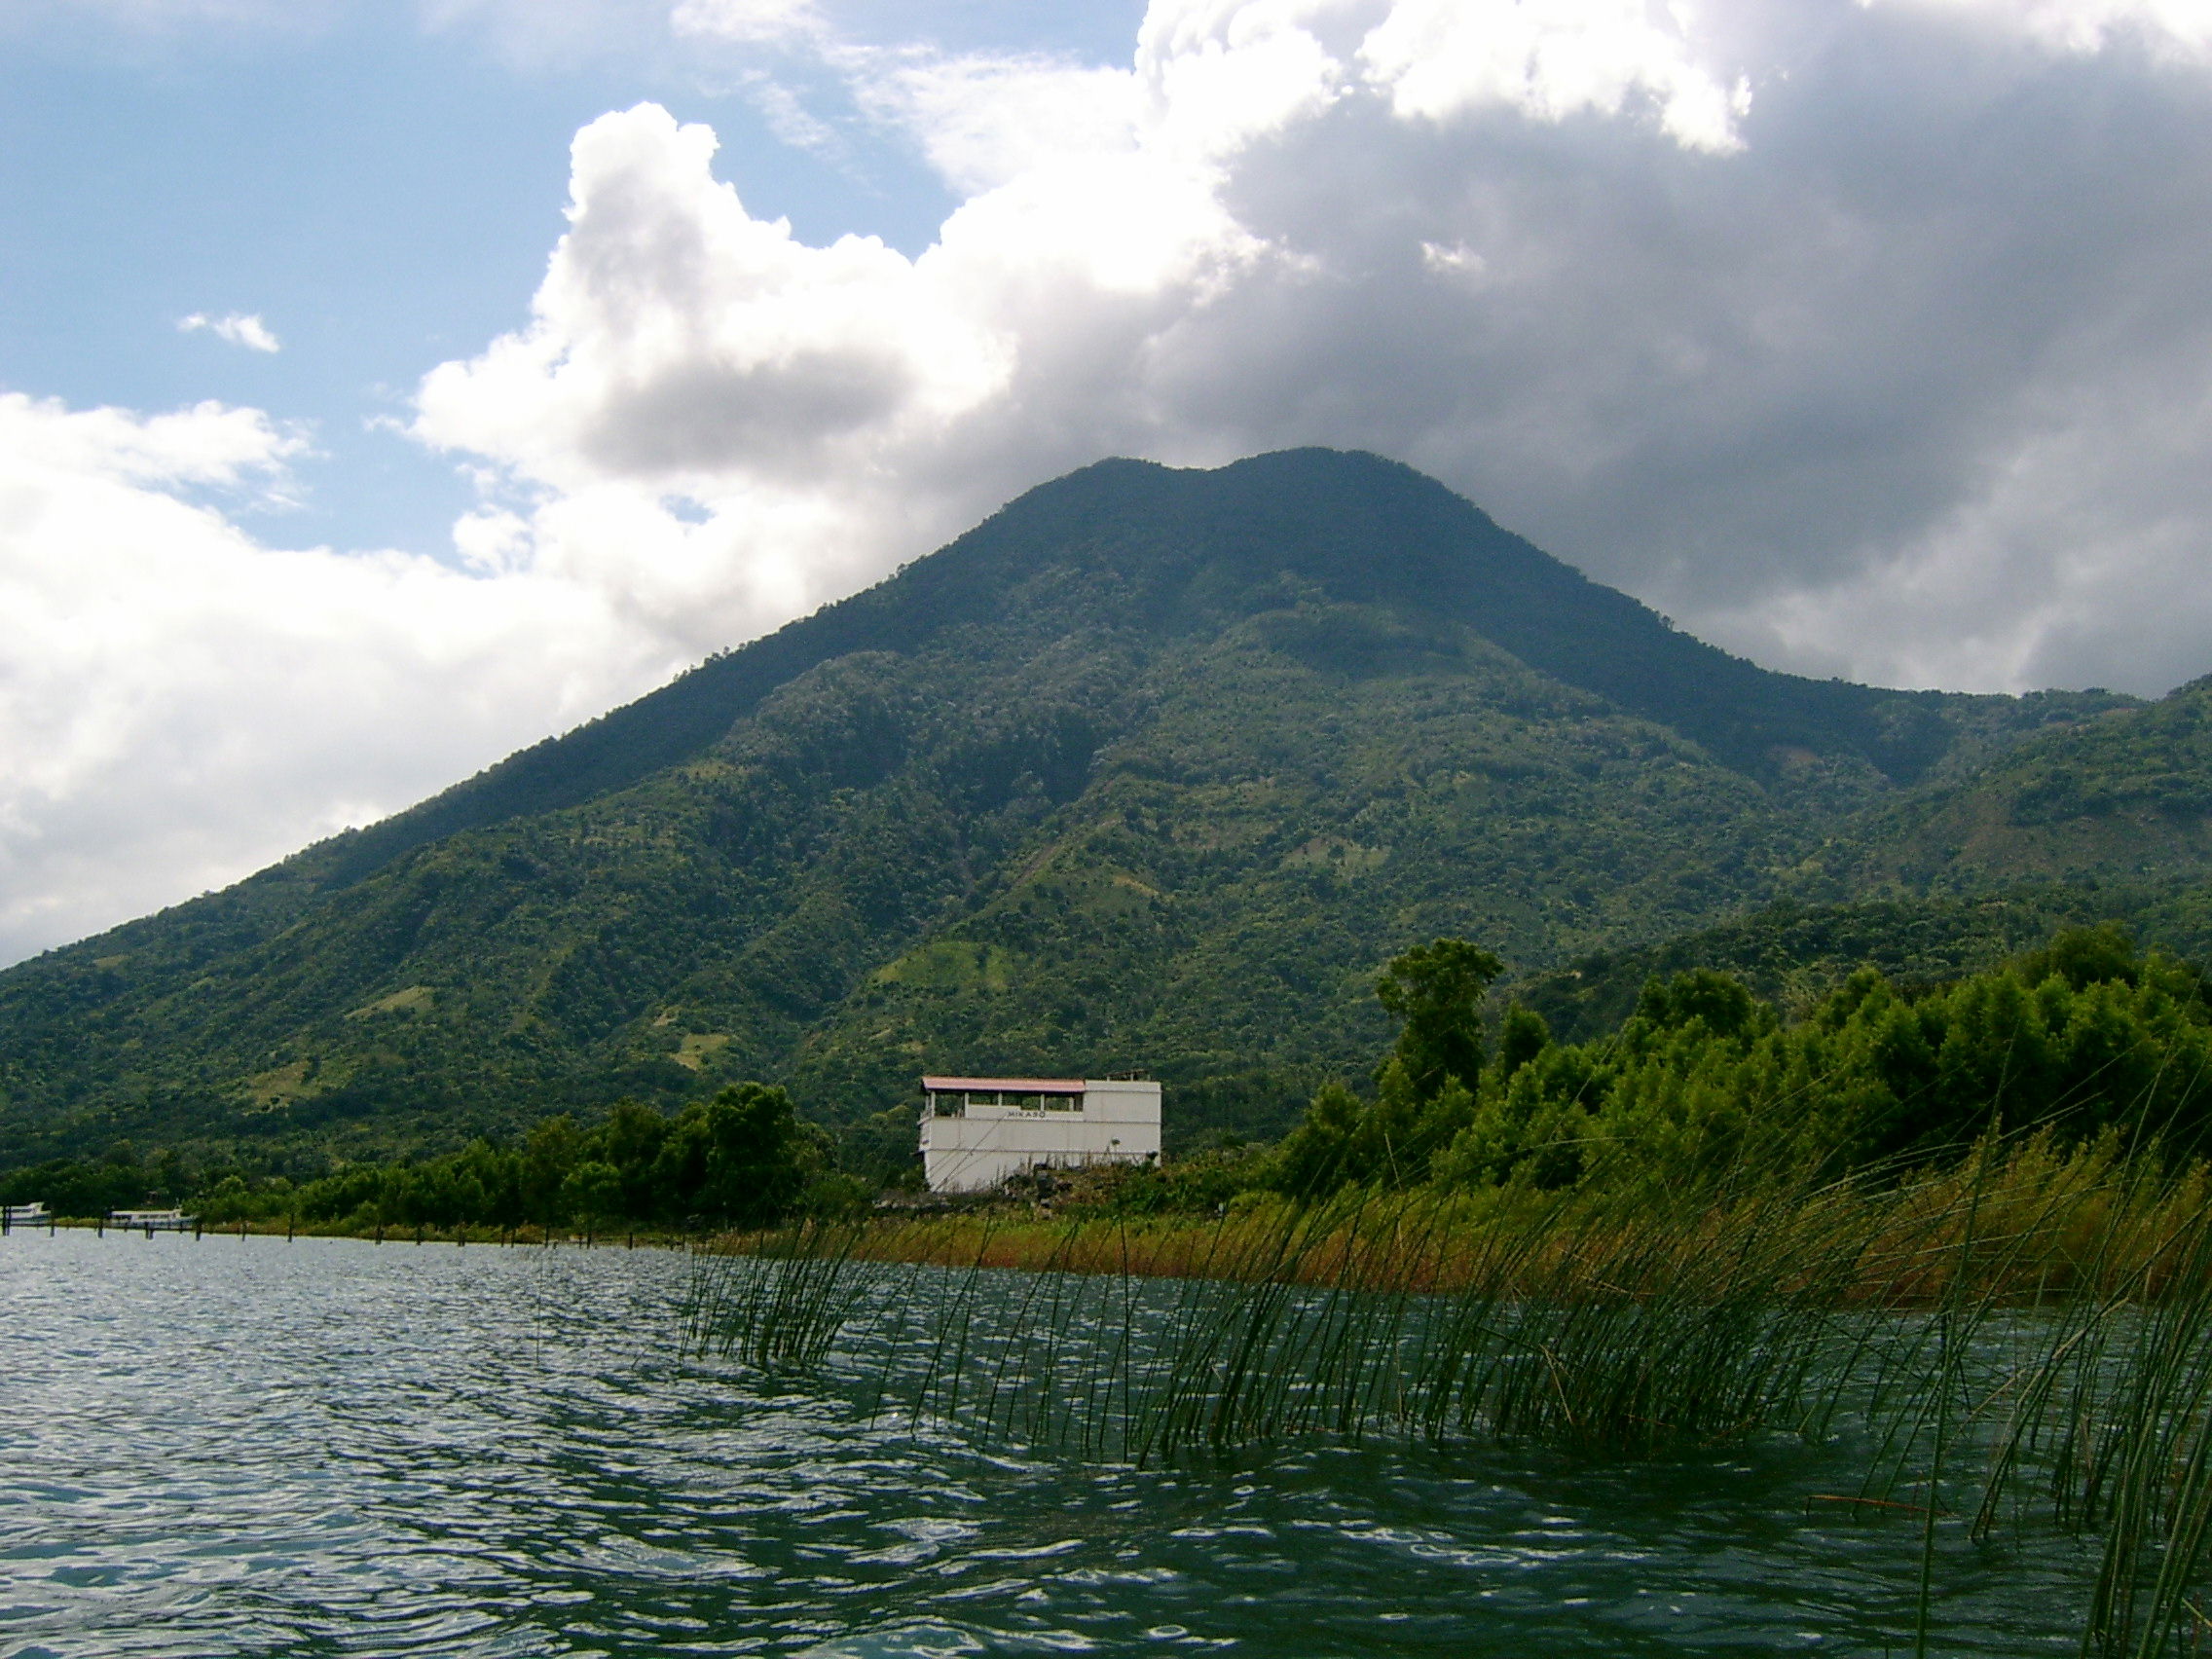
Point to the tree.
(1319, 1155)
(593, 1191)
(757, 1154)
(1437, 989)
(1522, 1036)
(1720, 1003)
(550, 1151)
(1426, 1088)
(631, 1141)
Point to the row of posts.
(507, 1234)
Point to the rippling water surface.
(252, 1446)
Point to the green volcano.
(1149, 770)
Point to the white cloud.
(180, 703)
(1745, 357)
(984, 122)
(1222, 75)
(237, 329)
(765, 22)
(1550, 59)
(680, 347)
(2180, 30)
(1454, 260)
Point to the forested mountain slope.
(2123, 797)
(1794, 955)
(1149, 770)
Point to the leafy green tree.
(1426, 1088)
(631, 1141)
(1322, 1153)
(552, 1149)
(592, 1192)
(758, 1164)
(1719, 1005)
(1522, 1036)
(2084, 957)
(680, 1167)
(742, 1158)
(1703, 1083)
(1437, 991)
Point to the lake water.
(230, 1446)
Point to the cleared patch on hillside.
(415, 999)
(951, 965)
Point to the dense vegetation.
(1704, 1081)
(1703, 1086)
(1792, 955)
(742, 1158)
(1150, 771)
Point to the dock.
(151, 1221)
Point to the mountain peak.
(1150, 768)
(1194, 548)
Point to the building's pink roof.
(1007, 1084)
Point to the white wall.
(1119, 1124)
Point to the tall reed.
(2021, 1344)
(779, 1306)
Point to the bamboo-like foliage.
(2020, 1344)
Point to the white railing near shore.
(151, 1222)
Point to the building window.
(1063, 1102)
(944, 1105)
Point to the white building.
(977, 1130)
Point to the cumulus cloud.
(684, 355)
(1439, 59)
(237, 329)
(1868, 340)
(179, 702)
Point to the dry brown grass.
(2020, 1225)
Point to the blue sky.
(384, 194)
(1863, 337)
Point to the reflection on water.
(254, 1447)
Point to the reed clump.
(779, 1305)
(2021, 1343)
(2048, 1222)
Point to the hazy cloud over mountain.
(1868, 339)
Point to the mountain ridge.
(696, 707)
(1152, 766)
